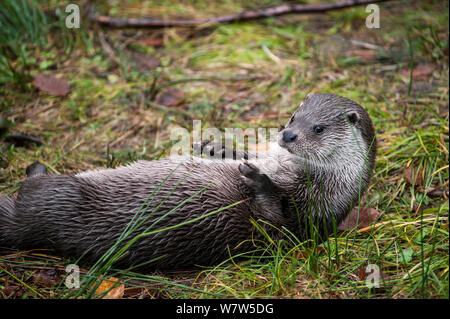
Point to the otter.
(324, 158)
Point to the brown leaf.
(420, 72)
(436, 192)
(113, 293)
(135, 292)
(364, 55)
(170, 97)
(51, 85)
(366, 217)
(363, 274)
(271, 114)
(46, 279)
(152, 42)
(306, 252)
(10, 291)
(145, 62)
(418, 178)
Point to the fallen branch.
(245, 15)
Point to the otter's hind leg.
(36, 169)
(8, 225)
(8, 221)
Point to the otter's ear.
(353, 117)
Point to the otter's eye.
(318, 129)
(292, 119)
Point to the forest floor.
(130, 87)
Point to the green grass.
(230, 80)
(21, 22)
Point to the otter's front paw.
(213, 150)
(250, 175)
(208, 149)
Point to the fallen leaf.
(113, 78)
(435, 192)
(113, 293)
(170, 97)
(46, 279)
(405, 256)
(152, 42)
(362, 275)
(271, 114)
(10, 291)
(51, 85)
(418, 178)
(307, 252)
(364, 55)
(366, 217)
(145, 62)
(364, 271)
(420, 72)
(135, 292)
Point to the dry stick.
(245, 15)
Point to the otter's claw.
(209, 149)
(250, 174)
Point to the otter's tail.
(7, 221)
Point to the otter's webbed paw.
(198, 147)
(208, 149)
(274, 205)
(251, 177)
(211, 149)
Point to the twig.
(272, 56)
(23, 139)
(360, 44)
(242, 16)
(108, 48)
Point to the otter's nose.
(289, 137)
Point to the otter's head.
(329, 129)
